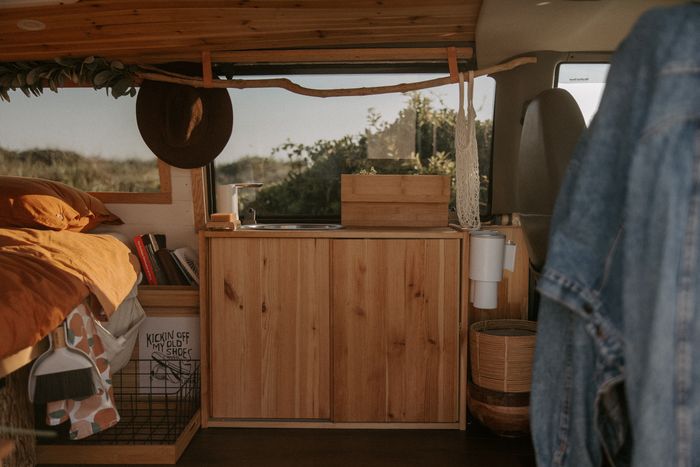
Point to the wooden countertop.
(349, 232)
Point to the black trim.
(210, 181)
(231, 70)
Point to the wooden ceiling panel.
(125, 28)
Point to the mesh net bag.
(467, 159)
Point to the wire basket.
(156, 399)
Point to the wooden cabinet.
(349, 328)
(395, 306)
(269, 328)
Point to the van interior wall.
(175, 220)
(514, 89)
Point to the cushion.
(44, 204)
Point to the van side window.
(298, 146)
(84, 138)
(586, 82)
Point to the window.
(586, 82)
(298, 146)
(84, 138)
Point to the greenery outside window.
(84, 138)
(298, 146)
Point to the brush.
(64, 373)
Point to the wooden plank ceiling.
(164, 30)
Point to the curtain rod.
(156, 74)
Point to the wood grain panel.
(164, 196)
(395, 330)
(205, 330)
(199, 198)
(179, 29)
(464, 332)
(169, 296)
(331, 425)
(395, 188)
(270, 328)
(351, 232)
(394, 214)
(308, 55)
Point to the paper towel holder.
(489, 255)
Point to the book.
(188, 260)
(157, 270)
(145, 261)
(157, 240)
(181, 268)
(172, 272)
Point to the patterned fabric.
(95, 413)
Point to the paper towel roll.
(486, 253)
(485, 295)
(227, 199)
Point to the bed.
(49, 265)
(45, 274)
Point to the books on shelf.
(162, 266)
(187, 258)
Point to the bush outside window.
(298, 146)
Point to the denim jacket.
(614, 372)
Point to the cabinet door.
(395, 330)
(270, 328)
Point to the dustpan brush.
(65, 374)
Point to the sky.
(586, 83)
(92, 123)
(95, 124)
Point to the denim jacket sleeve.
(590, 283)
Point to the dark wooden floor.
(366, 448)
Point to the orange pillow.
(43, 204)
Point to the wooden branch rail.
(155, 74)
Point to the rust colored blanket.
(45, 274)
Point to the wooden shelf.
(171, 299)
(119, 454)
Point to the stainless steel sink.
(292, 226)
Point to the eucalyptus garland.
(32, 77)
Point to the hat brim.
(151, 120)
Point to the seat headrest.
(551, 127)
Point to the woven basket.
(504, 413)
(501, 354)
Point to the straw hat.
(184, 126)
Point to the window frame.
(338, 68)
(577, 61)
(164, 196)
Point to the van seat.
(552, 126)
